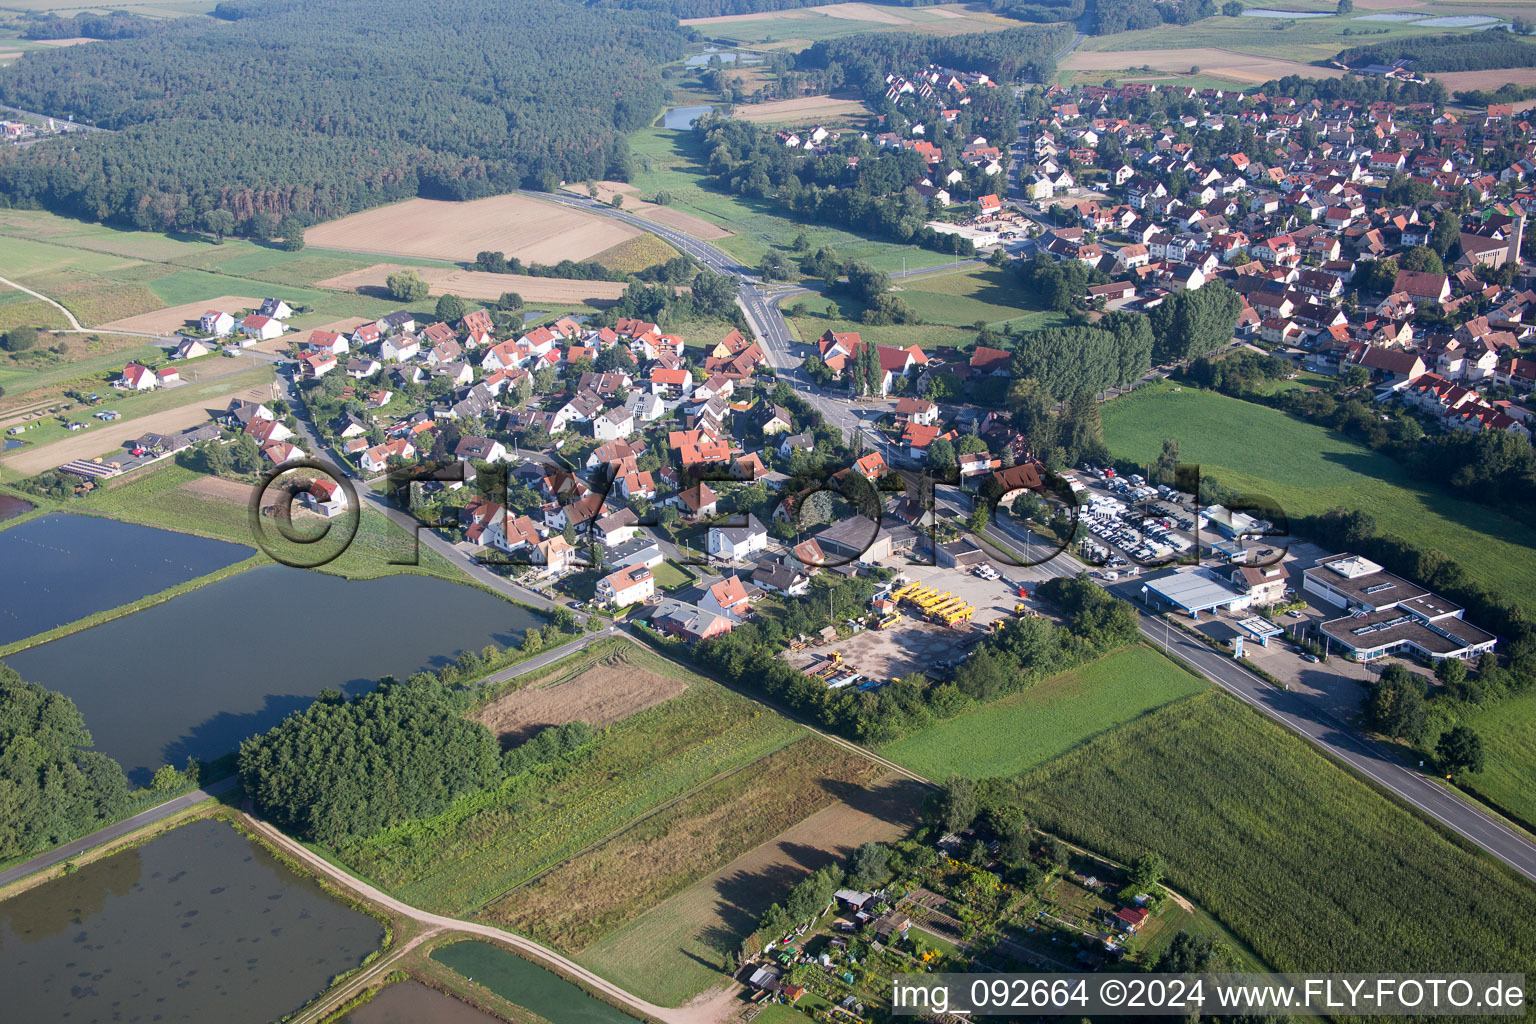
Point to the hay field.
(607, 692)
(174, 318)
(1212, 62)
(532, 230)
(474, 284)
(803, 109)
(666, 216)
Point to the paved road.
(117, 831)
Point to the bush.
(406, 286)
(20, 339)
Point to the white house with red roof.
(376, 459)
(324, 497)
(261, 328)
(628, 586)
(331, 343)
(167, 375)
(317, 364)
(136, 377)
(727, 597)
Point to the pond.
(1460, 21)
(700, 60)
(682, 118)
(411, 1002)
(200, 924)
(528, 985)
(12, 506)
(1264, 12)
(195, 675)
(59, 568)
(12, 443)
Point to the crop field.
(665, 215)
(1509, 738)
(493, 841)
(1302, 40)
(474, 284)
(678, 949)
(796, 29)
(671, 160)
(1214, 63)
(174, 318)
(1308, 469)
(607, 887)
(607, 692)
(803, 110)
(1303, 861)
(635, 254)
(1026, 729)
(531, 229)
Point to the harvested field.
(605, 693)
(532, 230)
(99, 440)
(220, 488)
(1460, 81)
(1213, 63)
(864, 12)
(474, 284)
(666, 216)
(677, 949)
(174, 318)
(605, 888)
(804, 108)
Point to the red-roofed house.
(628, 586)
(728, 598)
(136, 377)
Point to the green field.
(1307, 39)
(526, 984)
(1310, 866)
(670, 160)
(1026, 729)
(163, 498)
(671, 576)
(796, 29)
(1308, 469)
(1508, 729)
(492, 841)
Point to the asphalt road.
(117, 831)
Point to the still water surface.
(195, 675)
(198, 925)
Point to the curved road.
(1294, 710)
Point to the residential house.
(627, 586)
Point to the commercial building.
(1390, 615)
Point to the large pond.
(200, 924)
(411, 1002)
(528, 985)
(59, 568)
(195, 675)
(682, 118)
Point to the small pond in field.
(59, 568)
(195, 675)
(200, 924)
(682, 118)
(411, 1002)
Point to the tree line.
(346, 768)
(281, 109)
(1012, 55)
(88, 25)
(53, 787)
(1465, 51)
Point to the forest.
(280, 108)
(1023, 10)
(87, 25)
(53, 787)
(1015, 54)
(1111, 16)
(1470, 51)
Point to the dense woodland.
(280, 108)
(1023, 10)
(53, 788)
(1111, 16)
(105, 25)
(1468, 51)
(1012, 55)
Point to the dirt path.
(96, 440)
(68, 316)
(700, 1013)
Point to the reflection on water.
(199, 924)
(195, 675)
(411, 1002)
